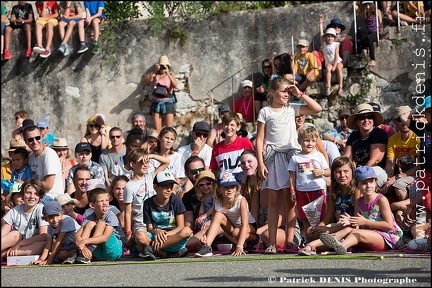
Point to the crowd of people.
(288, 189)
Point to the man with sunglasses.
(197, 147)
(111, 159)
(340, 133)
(45, 164)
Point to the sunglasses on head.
(363, 117)
(115, 136)
(37, 138)
(198, 134)
(195, 171)
(202, 184)
(93, 125)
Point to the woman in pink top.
(162, 107)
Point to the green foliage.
(351, 101)
(175, 32)
(398, 42)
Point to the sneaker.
(45, 54)
(82, 48)
(7, 55)
(271, 249)
(28, 52)
(62, 48)
(68, 51)
(418, 245)
(71, 259)
(204, 251)
(147, 253)
(95, 47)
(80, 259)
(38, 49)
(181, 253)
(331, 242)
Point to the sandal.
(307, 252)
(371, 63)
(331, 242)
(271, 250)
(291, 247)
(329, 91)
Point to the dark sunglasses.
(162, 66)
(93, 125)
(267, 66)
(198, 134)
(42, 128)
(398, 119)
(195, 171)
(115, 136)
(343, 117)
(363, 117)
(37, 138)
(202, 184)
(16, 118)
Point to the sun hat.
(381, 175)
(51, 208)
(82, 146)
(91, 120)
(366, 2)
(400, 110)
(164, 178)
(16, 188)
(163, 60)
(42, 124)
(59, 143)
(224, 108)
(330, 31)
(16, 143)
(201, 126)
(336, 22)
(375, 106)
(303, 42)
(246, 83)
(344, 112)
(100, 119)
(364, 172)
(27, 123)
(227, 179)
(65, 198)
(95, 183)
(364, 109)
(205, 175)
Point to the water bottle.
(6, 185)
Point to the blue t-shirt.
(24, 174)
(49, 139)
(163, 217)
(93, 7)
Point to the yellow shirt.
(305, 63)
(6, 171)
(404, 153)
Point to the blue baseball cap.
(51, 208)
(363, 173)
(227, 179)
(427, 102)
(42, 124)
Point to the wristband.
(292, 191)
(195, 153)
(322, 175)
(41, 259)
(301, 94)
(128, 233)
(239, 246)
(81, 248)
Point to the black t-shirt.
(361, 148)
(423, 131)
(80, 210)
(23, 12)
(191, 202)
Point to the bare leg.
(169, 120)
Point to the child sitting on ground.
(205, 188)
(60, 243)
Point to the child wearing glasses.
(205, 188)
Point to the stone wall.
(221, 51)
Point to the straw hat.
(163, 60)
(205, 175)
(16, 143)
(364, 109)
(65, 198)
(59, 143)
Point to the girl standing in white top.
(277, 136)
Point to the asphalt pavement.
(252, 270)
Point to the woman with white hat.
(162, 99)
(368, 144)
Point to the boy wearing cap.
(340, 133)
(101, 236)
(305, 67)
(60, 243)
(47, 138)
(164, 217)
(83, 154)
(244, 104)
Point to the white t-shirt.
(303, 165)
(48, 163)
(186, 152)
(280, 127)
(27, 224)
(329, 53)
(173, 166)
